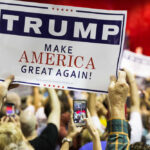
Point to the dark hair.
(139, 146)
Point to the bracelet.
(66, 140)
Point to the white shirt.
(136, 127)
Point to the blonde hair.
(21, 146)
(9, 133)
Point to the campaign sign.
(137, 64)
(60, 46)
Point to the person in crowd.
(92, 103)
(39, 103)
(117, 125)
(135, 114)
(28, 124)
(86, 136)
(94, 110)
(48, 138)
(11, 137)
(74, 131)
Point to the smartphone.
(10, 109)
(79, 112)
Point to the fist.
(118, 90)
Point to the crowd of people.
(119, 120)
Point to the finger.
(86, 121)
(112, 81)
(126, 70)
(9, 80)
(88, 114)
(129, 74)
(7, 119)
(122, 77)
(17, 118)
(3, 119)
(80, 129)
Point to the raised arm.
(73, 131)
(69, 99)
(36, 98)
(135, 115)
(94, 133)
(117, 125)
(92, 104)
(54, 116)
(135, 99)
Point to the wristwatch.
(66, 140)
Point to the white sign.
(59, 46)
(136, 63)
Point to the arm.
(101, 110)
(95, 105)
(36, 98)
(54, 116)
(135, 99)
(94, 133)
(69, 99)
(92, 104)
(65, 146)
(117, 125)
(73, 131)
(135, 115)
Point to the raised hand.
(118, 91)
